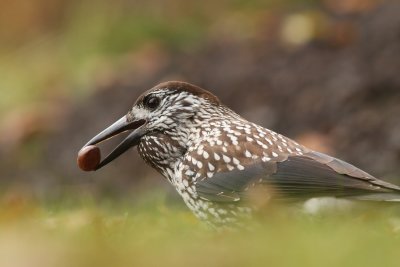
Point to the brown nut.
(89, 158)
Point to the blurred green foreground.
(151, 234)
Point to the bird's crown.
(171, 103)
(178, 87)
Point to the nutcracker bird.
(217, 160)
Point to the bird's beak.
(120, 126)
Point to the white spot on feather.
(230, 167)
(249, 139)
(226, 158)
(199, 164)
(211, 167)
(265, 159)
(240, 167)
(235, 161)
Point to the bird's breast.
(160, 151)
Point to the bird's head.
(168, 107)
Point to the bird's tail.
(387, 197)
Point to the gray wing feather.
(298, 177)
(228, 186)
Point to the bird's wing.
(297, 177)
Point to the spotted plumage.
(216, 159)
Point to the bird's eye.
(151, 102)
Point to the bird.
(217, 160)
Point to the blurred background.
(323, 72)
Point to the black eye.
(151, 102)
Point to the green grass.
(151, 233)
